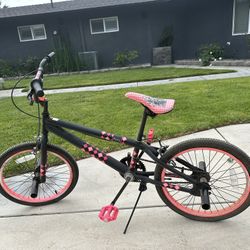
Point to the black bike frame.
(58, 127)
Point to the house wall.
(203, 22)
(13, 49)
(134, 34)
(195, 22)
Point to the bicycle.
(201, 179)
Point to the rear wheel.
(229, 170)
(17, 166)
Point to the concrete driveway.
(73, 223)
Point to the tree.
(4, 6)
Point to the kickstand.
(142, 188)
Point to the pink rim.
(209, 213)
(17, 196)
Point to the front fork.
(41, 164)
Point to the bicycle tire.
(17, 166)
(226, 198)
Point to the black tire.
(225, 163)
(17, 166)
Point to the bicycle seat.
(155, 105)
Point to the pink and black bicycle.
(202, 179)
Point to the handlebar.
(46, 59)
(37, 83)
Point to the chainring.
(138, 167)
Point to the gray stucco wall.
(195, 22)
(205, 22)
(12, 48)
(198, 22)
(132, 35)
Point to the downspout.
(82, 37)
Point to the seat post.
(143, 123)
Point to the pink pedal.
(108, 213)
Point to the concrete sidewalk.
(73, 223)
(241, 72)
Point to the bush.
(125, 58)
(21, 67)
(166, 37)
(66, 59)
(210, 52)
(5, 69)
(30, 64)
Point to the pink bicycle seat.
(155, 105)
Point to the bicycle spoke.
(56, 184)
(19, 186)
(213, 203)
(24, 191)
(210, 161)
(228, 190)
(217, 163)
(224, 173)
(223, 181)
(49, 187)
(231, 186)
(195, 156)
(219, 195)
(211, 175)
(226, 170)
(228, 194)
(15, 182)
(190, 159)
(203, 156)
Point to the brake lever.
(30, 98)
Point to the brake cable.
(22, 111)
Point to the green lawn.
(114, 77)
(199, 106)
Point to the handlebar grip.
(36, 86)
(51, 54)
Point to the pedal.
(108, 213)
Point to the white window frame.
(239, 34)
(32, 32)
(104, 25)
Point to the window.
(241, 23)
(104, 25)
(31, 32)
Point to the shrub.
(5, 68)
(65, 60)
(21, 67)
(30, 64)
(166, 37)
(210, 52)
(125, 58)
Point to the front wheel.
(17, 167)
(228, 168)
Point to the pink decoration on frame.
(123, 139)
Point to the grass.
(115, 77)
(199, 106)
